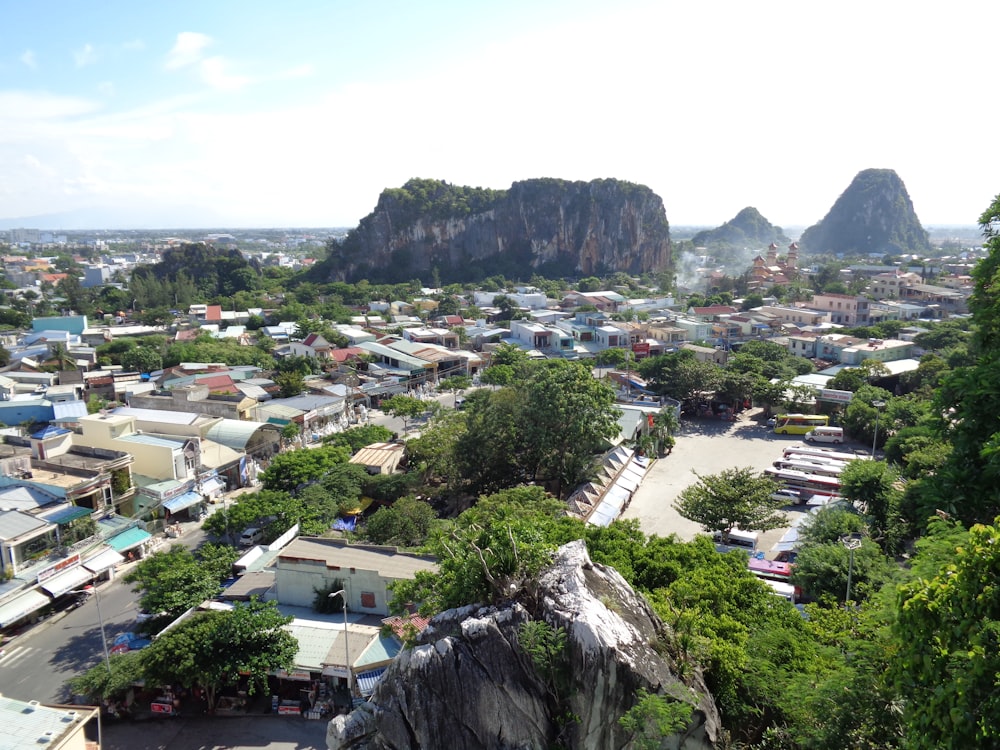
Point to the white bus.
(784, 590)
(830, 455)
(808, 467)
(806, 484)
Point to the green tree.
(947, 642)
(291, 383)
(821, 570)
(491, 550)
(214, 649)
(99, 683)
(293, 468)
(176, 580)
(456, 384)
(404, 407)
(871, 486)
(733, 498)
(567, 416)
(405, 523)
(141, 359)
(359, 437)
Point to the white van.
(251, 536)
(825, 435)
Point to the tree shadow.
(80, 651)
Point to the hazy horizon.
(250, 113)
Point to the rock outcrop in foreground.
(553, 227)
(470, 684)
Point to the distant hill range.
(874, 215)
(107, 217)
(747, 229)
(548, 226)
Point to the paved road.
(217, 733)
(37, 663)
(707, 446)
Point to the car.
(771, 422)
(787, 495)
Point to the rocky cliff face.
(544, 225)
(748, 229)
(874, 215)
(469, 682)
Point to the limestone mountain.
(470, 682)
(549, 226)
(747, 229)
(874, 215)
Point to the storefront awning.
(368, 680)
(212, 486)
(129, 539)
(181, 502)
(107, 558)
(21, 605)
(71, 579)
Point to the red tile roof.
(349, 352)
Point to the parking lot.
(708, 446)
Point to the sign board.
(59, 567)
(640, 349)
(839, 397)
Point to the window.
(368, 600)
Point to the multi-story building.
(843, 309)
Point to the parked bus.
(772, 572)
(799, 424)
(784, 590)
(822, 453)
(810, 467)
(806, 484)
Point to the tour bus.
(822, 453)
(772, 571)
(799, 424)
(810, 467)
(784, 590)
(833, 435)
(738, 539)
(806, 484)
(812, 460)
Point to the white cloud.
(29, 60)
(28, 106)
(215, 72)
(84, 56)
(106, 88)
(134, 45)
(187, 50)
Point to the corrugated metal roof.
(13, 524)
(24, 497)
(234, 433)
(156, 415)
(389, 562)
(152, 440)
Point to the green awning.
(129, 539)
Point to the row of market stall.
(24, 600)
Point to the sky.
(256, 113)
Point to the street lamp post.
(100, 619)
(852, 542)
(878, 410)
(347, 648)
